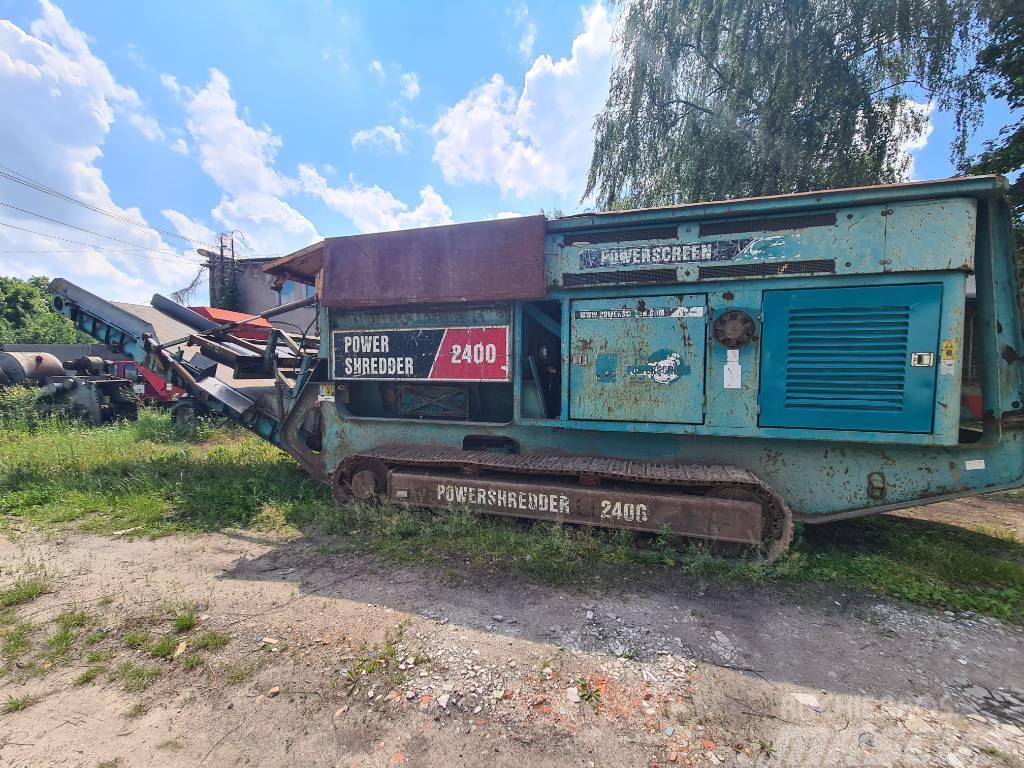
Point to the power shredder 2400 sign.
(475, 353)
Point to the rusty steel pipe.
(266, 315)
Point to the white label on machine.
(326, 393)
(733, 375)
(947, 367)
(733, 371)
(139, 389)
(974, 464)
(688, 312)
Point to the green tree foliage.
(1002, 63)
(737, 98)
(27, 317)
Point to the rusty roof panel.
(477, 262)
(302, 265)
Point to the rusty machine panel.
(480, 262)
(638, 359)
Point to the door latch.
(922, 359)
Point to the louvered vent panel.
(847, 358)
(839, 358)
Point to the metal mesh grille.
(768, 224)
(623, 235)
(847, 358)
(760, 269)
(620, 277)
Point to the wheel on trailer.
(777, 526)
(185, 415)
(366, 481)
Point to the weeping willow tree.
(734, 98)
(1002, 61)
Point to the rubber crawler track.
(704, 477)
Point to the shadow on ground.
(820, 637)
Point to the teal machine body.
(719, 368)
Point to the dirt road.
(349, 661)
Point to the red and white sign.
(473, 354)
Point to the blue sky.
(290, 122)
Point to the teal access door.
(861, 359)
(638, 359)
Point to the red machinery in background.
(257, 329)
(150, 388)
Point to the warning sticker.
(947, 358)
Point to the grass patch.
(96, 637)
(99, 656)
(136, 638)
(19, 703)
(589, 693)
(62, 474)
(210, 641)
(59, 644)
(929, 563)
(185, 621)
(137, 710)
(145, 474)
(164, 647)
(72, 619)
(137, 677)
(15, 640)
(193, 661)
(23, 590)
(89, 675)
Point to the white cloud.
(179, 146)
(240, 158)
(236, 155)
(147, 126)
(329, 54)
(538, 138)
(528, 39)
(529, 36)
(410, 85)
(183, 225)
(377, 68)
(51, 74)
(380, 136)
(170, 82)
(373, 209)
(918, 111)
(507, 215)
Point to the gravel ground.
(639, 669)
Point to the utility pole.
(223, 272)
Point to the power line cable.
(55, 250)
(89, 231)
(100, 247)
(11, 174)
